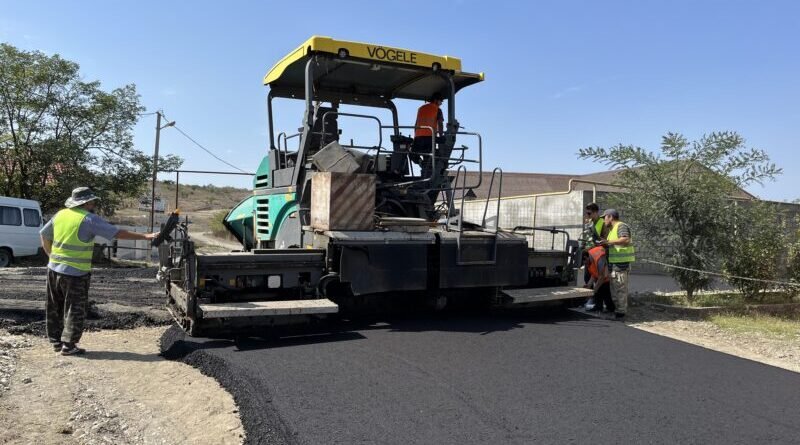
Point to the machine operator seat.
(317, 139)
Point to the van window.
(32, 218)
(10, 216)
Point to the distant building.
(549, 200)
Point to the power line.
(207, 150)
(199, 144)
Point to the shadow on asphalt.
(176, 344)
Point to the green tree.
(58, 132)
(679, 199)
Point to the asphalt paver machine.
(335, 227)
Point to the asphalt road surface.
(520, 378)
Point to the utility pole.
(155, 173)
(159, 115)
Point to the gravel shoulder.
(122, 392)
(783, 352)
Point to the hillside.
(205, 205)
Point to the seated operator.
(429, 116)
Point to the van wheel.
(5, 257)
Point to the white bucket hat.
(80, 196)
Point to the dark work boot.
(619, 316)
(71, 349)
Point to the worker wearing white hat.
(68, 241)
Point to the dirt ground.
(120, 392)
(130, 286)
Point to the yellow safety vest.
(598, 230)
(67, 248)
(620, 254)
(598, 227)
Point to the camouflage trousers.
(619, 288)
(66, 306)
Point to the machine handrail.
(285, 150)
(450, 207)
(478, 161)
(363, 116)
(463, 196)
(432, 155)
(489, 196)
(553, 230)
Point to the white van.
(20, 222)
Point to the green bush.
(217, 227)
(793, 265)
(756, 248)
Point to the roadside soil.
(783, 352)
(131, 286)
(120, 392)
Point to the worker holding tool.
(429, 116)
(593, 232)
(620, 255)
(68, 240)
(596, 263)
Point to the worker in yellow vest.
(68, 240)
(620, 256)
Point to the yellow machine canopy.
(363, 69)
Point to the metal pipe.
(177, 187)
(395, 119)
(269, 121)
(570, 189)
(207, 172)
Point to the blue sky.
(560, 75)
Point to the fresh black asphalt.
(517, 378)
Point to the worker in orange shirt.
(429, 117)
(596, 263)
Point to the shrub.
(217, 227)
(756, 248)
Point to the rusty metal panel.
(341, 201)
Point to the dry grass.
(786, 328)
(724, 299)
